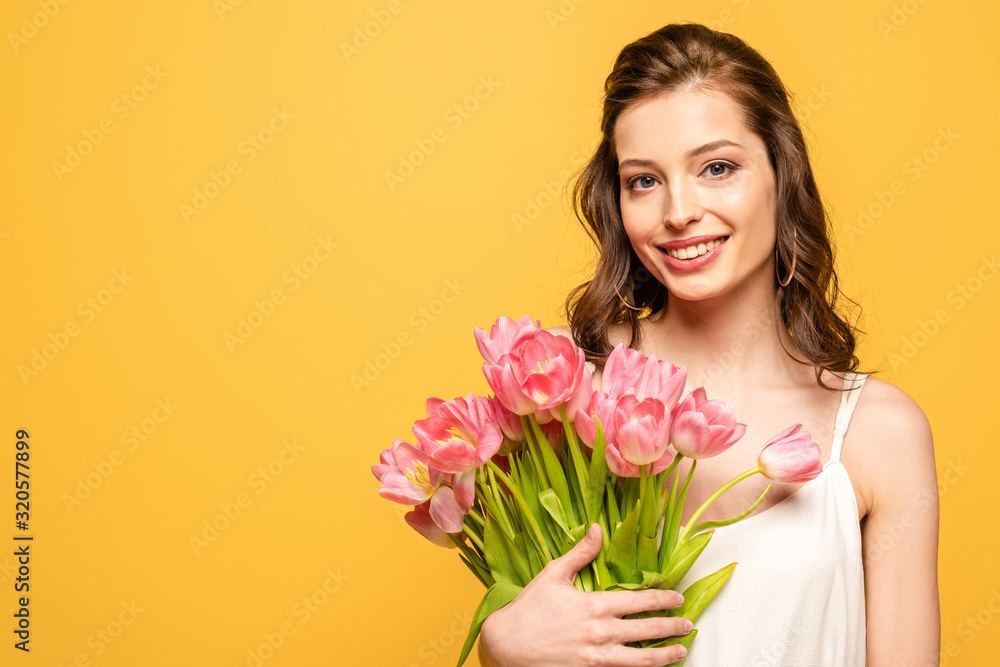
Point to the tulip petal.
(419, 519)
(446, 511)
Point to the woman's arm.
(900, 534)
(552, 623)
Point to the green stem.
(529, 517)
(715, 496)
(472, 536)
(477, 517)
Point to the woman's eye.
(641, 182)
(717, 169)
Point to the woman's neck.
(726, 342)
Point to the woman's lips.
(696, 262)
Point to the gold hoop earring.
(794, 254)
(627, 304)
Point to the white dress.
(797, 594)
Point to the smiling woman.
(702, 182)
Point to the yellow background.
(407, 270)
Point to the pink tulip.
(420, 520)
(459, 434)
(511, 427)
(790, 457)
(702, 428)
(601, 407)
(642, 431)
(550, 369)
(580, 400)
(504, 336)
(502, 380)
(544, 371)
(629, 371)
(408, 478)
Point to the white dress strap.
(848, 399)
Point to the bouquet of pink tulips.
(515, 480)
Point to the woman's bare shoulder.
(893, 416)
(890, 432)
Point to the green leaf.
(683, 640)
(651, 512)
(646, 552)
(649, 580)
(614, 517)
(551, 503)
(594, 496)
(622, 556)
(475, 570)
(506, 561)
(579, 471)
(499, 595)
(700, 593)
(553, 469)
(683, 558)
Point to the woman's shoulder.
(893, 415)
(890, 438)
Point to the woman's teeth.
(696, 250)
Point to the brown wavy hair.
(675, 57)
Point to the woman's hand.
(550, 622)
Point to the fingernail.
(592, 533)
(688, 626)
(681, 651)
(680, 599)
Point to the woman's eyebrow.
(711, 146)
(694, 152)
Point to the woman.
(714, 255)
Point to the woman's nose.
(682, 205)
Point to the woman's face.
(697, 194)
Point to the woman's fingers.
(566, 566)
(637, 629)
(621, 603)
(647, 657)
